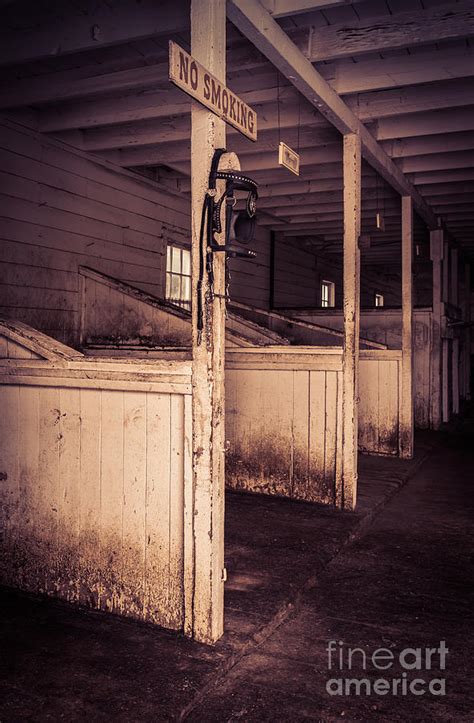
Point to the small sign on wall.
(194, 79)
(288, 158)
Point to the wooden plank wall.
(250, 280)
(284, 418)
(92, 487)
(108, 312)
(60, 210)
(386, 326)
(283, 421)
(9, 349)
(295, 277)
(379, 401)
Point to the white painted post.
(445, 265)
(437, 252)
(467, 337)
(208, 44)
(406, 438)
(350, 357)
(454, 298)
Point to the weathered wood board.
(385, 326)
(282, 423)
(94, 458)
(284, 417)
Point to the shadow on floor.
(61, 662)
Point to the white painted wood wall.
(385, 326)
(284, 416)
(283, 422)
(95, 467)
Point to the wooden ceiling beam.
(402, 148)
(424, 124)
(437, 162)
(301, 199)
(102, 27)
(259, 162)
(458, 199)
(440, 178)
(379, 74)
(177, 129)
(389, 32)
(283, 8)
(416, 99)
(64, 86)
(148, 103)
(256, 24)
(148, 133)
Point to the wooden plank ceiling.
(94, 74)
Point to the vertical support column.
(444, 340)
(350, 356)
(467, 336)
(406, 437)
(437, 253)
(445, 291)
(454, 298)
(208, 46)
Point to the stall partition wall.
(117, 314)
(95, 469)
(284, 418)
(385, 326)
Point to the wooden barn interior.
(349, 328)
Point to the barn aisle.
(288, 593)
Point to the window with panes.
(178, 276)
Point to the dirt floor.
(397, 575)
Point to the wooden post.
(208, 44)
(467, 336)
(350, 357)
(437, 252)
(406, 437)
(454, 298)
(445, 266)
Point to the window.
(178, 276)
(378, 299)
(328, 294)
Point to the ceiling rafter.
(254, 22)
(390, 32)
(103, 27)
(385, 73)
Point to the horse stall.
(96, 442)
(283, 386)
(96, 477)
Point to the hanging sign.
(288, 158)
(194, 79)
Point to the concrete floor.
(396, 574)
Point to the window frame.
(330, 302)
(171, 248)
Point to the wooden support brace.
(406, 437)
(206, 624)
(351, 276)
